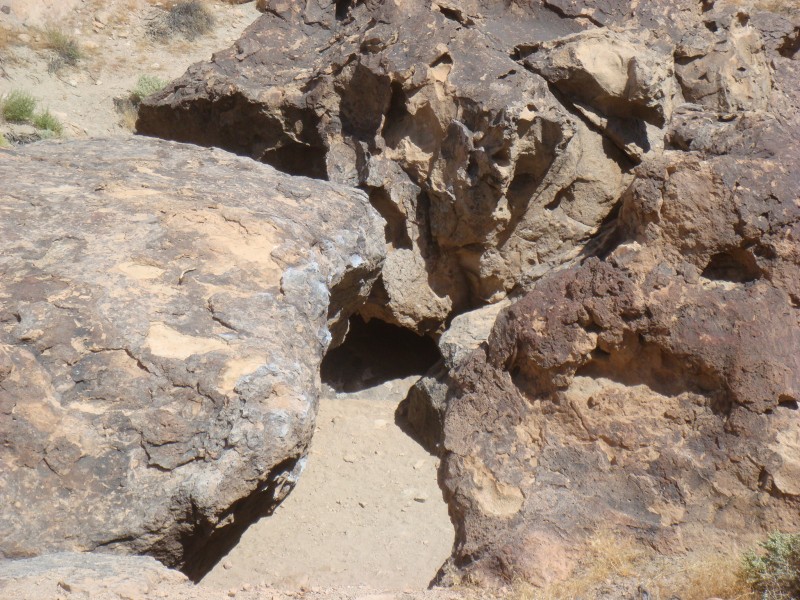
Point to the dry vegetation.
(20, 107)
(65, 48)
(188, 18)
(618, 567)
(128, 107)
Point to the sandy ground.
(116, 54)
(366, 511)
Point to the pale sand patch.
(366, 511)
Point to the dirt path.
(366, 511)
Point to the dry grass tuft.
(17, 106)
(6, 38)
(609, 557)
(188, 18)
(128, 107)
(699, 576)
(617, 566)
(66, 50)
(47, 123)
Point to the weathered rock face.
(163, 313)
(485, 179)
(424, 407)
(655, 394)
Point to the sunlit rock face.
(163, 313)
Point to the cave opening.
(375, 352)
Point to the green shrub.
(18, 106)
(774, 572)
(188, 18)
(66, 48)
(147, 84)
(3, 141)
(46, 121)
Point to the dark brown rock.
(654, 394)
(163, 313)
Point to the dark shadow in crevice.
(375, 352)
(395, 230)
(207, 545)
(607, 237)
(736, 266)
(240, 125)
(342, 9)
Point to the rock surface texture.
(630, 166)
(654, 393)
(163, 313)
(627, 172)
(485, 179)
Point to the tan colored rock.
(726, 70)
(96, 576)
(610, 72)
(163, 316)
(409, 299)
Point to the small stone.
(421, 498)
(419, 464)
(6, 10)
(362, 504)
(349, 458)
(102, 16)
(24, 38)
(227, 565)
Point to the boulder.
(725, 69)
(654, 394)
(610, 72)
(425, 405)
(485, 179)
(163, 313)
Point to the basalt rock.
(163, 313)
(487, 181)
(654, 394)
